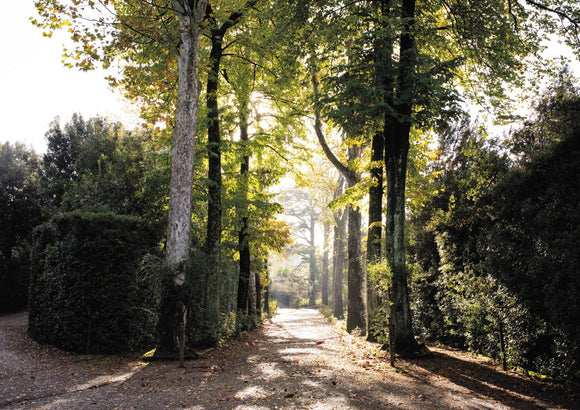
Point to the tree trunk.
(244, 278)
(324, 285)
(396, 161)
(396, 153)
(252, 296)
(339, 257)
(258, 296)
(375, 228)
(312, 290)
(267, 289)
(178, 244)
(356, 306)
(214, 206)
(183, 143)
(357, 314)
(244, 281)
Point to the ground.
(297, 360)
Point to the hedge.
(87, 291)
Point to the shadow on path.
(297, 360)
(485, 379)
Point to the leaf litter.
(295, 360)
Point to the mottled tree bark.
(183, 143)
(173, 305)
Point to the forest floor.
(297, 360)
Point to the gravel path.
(297, 360)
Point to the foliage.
(495, 247)
(20, 211)
(533, 252)
(380, 274)
(96, 165)
(554, 118)
(87, 291)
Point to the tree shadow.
(286, 365)
(484, 379)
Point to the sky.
(35, 87)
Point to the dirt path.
(295, 361)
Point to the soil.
(297, 360)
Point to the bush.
(14, 279)
(87, 291)
(505, 262)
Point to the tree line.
(375, 77)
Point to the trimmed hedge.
(87, 291)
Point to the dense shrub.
(532, 248)
(14, 279)
(501, 261)
(20, 212)
(87, 291)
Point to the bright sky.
(35, 87)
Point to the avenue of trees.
(411, 220)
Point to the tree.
(59, 161)
(325, 276)
(20, 211)
(96, 165)
(553, 119)
(339, 257)
(304, 212)
(356, 300)
(190, 15)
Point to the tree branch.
(343, 169)
(560, 13)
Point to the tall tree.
(356, 300)
(214, 216)
(190, 14)
(396, 154)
